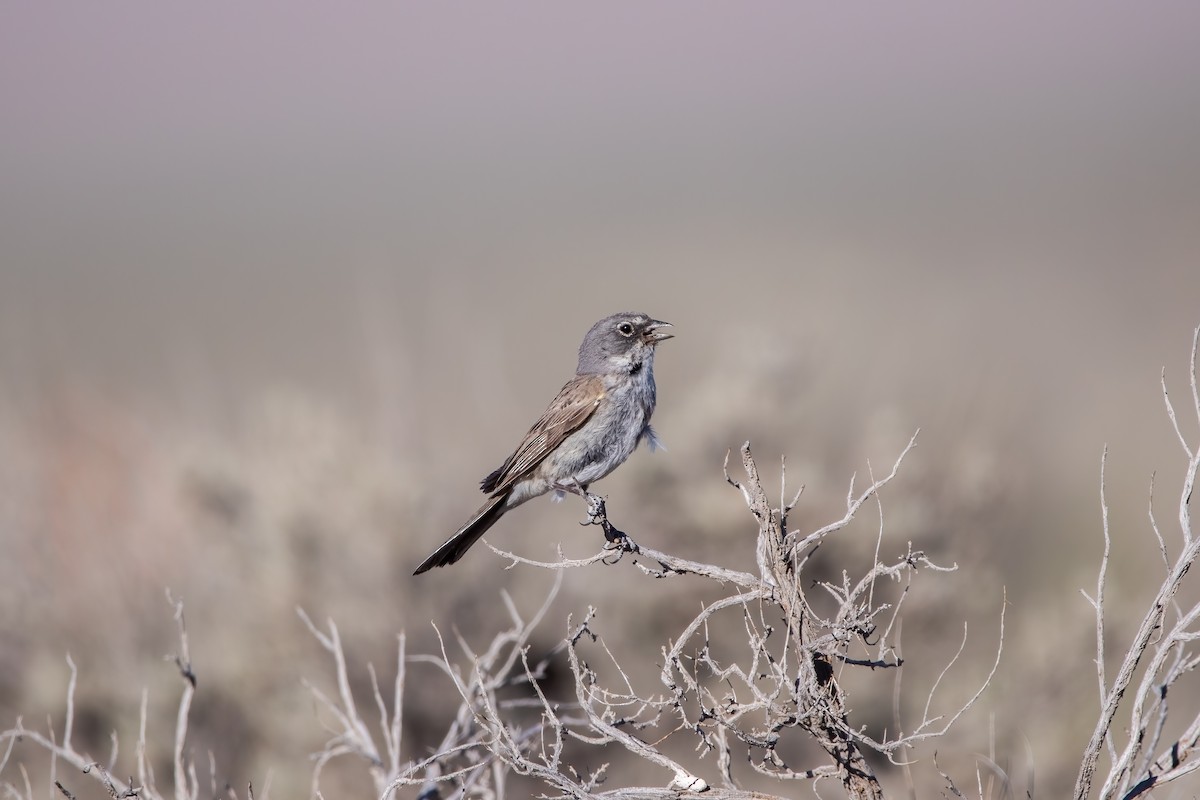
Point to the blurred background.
(280, 283)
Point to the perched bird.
(594, 424)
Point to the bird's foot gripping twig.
(598, 515)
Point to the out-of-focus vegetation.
(291, 504)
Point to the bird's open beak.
(654, 333)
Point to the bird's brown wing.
(575, 403)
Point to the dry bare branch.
(1163, 650)
(186, 786)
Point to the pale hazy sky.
(219, 175)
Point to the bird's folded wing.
(575, 403)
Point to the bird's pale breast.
(612, 433)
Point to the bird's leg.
(598, 515)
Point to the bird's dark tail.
(457, 545)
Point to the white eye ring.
(625, 329)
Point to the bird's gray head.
(621, 343)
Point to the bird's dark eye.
(625, 329)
